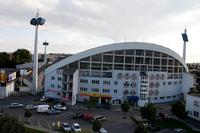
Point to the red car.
(87, 116)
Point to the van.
(42, 108)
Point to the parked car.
(30, 106)
(59, 107)
(147, 125)
(103, 130)
(16, 105)
(77, 115)
(65, 126)
(99, 118)
(76, 127)
(179, 130)
(87, 116)
(163, 115)
(53, 112)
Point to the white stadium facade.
(135, 71)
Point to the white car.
(76, 127)
(30, 106)
(103, 130)
(16, 105)
(65, 126)
(42, 99)
(59, 107)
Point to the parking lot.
(114, 124)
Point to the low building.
(7, 84)
(193, 106)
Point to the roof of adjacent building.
(114, 47)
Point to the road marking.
(39, 124)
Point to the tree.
(21, 56)
(179, 109)
(96, 125)
(149, 112)
(125, 108)
(5, 61)
(28, 115)
(140, 129)
(11, 125)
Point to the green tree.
(5, 61)
(96, 125)
(149, 112)
(179, 109)
(21, 56)
(28, 115)
(125, 108)
(140, 129)
(10, 125)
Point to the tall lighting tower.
(185, 39)
(36, 22)
(45, 54)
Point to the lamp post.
(45, 56)
(36, 22)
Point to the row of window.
(174, 83)
(53, 86)
(167, 97)
(59, 78)
(97, 90)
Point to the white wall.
(190, 106)
(75, 86)
(187, 83)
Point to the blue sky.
(76, 25)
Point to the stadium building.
(135, 71)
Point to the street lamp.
(36, 22)
(45, 56)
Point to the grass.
(30, 130)
(171, 123)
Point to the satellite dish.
(33, 21)
(40, 21)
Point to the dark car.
(77, 115)
(163, 115)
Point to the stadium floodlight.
(185, 39)
(36, 22)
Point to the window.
(106, 90)
(95, 81)
(83, 89)
(168, 97)
(169, 83)
(59, 86)
(196, 114)
(163, 83)
(174, 96)
(95, 89)
(83, 81)
(175, 82)
(162, 97)
(116, 83)
(126, 84)
(52, 78)
(196, 103)
(52, 85)
(106, 82)
(115, 91)
(155, 98)
(59, 78)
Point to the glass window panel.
(170, 69)
(86, 59)
(148, 60)
(130, 52)
(139, 52)
(107, 66)
(164, 55)
(156, 61)
(128, 59)
(156, 54)
(149, 53)
(96, 66)
(107, 58)
(170, 62)
(97, 58)
(156, 68)
(139, 60)
(110, 52)
(84, 65)
(164, 62)
(119, 59)
(127, 67)
(118, 67)
(119, 52)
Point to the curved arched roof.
(114, 47)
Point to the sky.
(73, 26)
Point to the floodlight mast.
(185, 39)
(36, 22)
